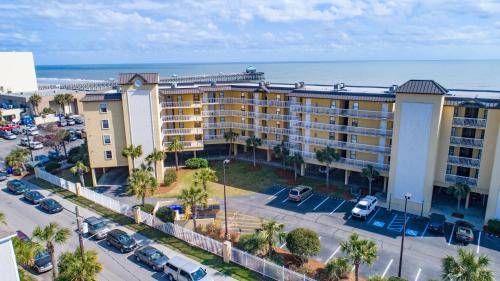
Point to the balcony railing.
(181, 104)
(182, 131)
(372, 114)
(349, 162)
(214, 113)
(464, 161)
(279, 117)
(275, 103)
(186, 144)
(274, 130)
(181, 118)
(228, 125)
(469, 122)
(466, 142)
(342, 144)
(452, 179)
(344, 129)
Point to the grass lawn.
(241, 179)
(195, 253)
(68, 175)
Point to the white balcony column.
(269, 155)
(194, 153)
(235, 149)
(467, 201)
(303, 169)
(385, 184)
(245, 148)
(346, 179)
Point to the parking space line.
(451, 234)
(338, 207)
(321, 203)
(425, 230)
(478, 242)
(418, 274)
(387, 268)
(332, 255)
(305, 199)
(276, 193)
(373, 216)
(286, 199)
(283, 245)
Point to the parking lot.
(331, 218)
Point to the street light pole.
(224, 163)
(29, 145)
(407, 197)
(80, 234)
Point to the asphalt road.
(116, 266)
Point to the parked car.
(3, 176)
(464, 232)
(182, 269)
(97, 227)
(42, 159)
(299, 193)
(152, 257)
(22, 236)
(31, 131)
(62, 123)
(55, 155)
(36, 145)
(51, 206)
(42, 262)
(79, 121)
(364, 207)
(121, 240)
(8, 135)
(17, 187)
(71, 137)
(70, 121)
(16, 131)
(25, 142)
(437, 223)
(34, 197)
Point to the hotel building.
(419, 135)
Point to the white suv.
(364, 207)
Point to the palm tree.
(459, 191)
(51, 235)
(17, 158)
(75, 267)
(370, 174)
(327, 156)
(61, 136)
(61, 101)
(68, 99)
(191, 198)
(466, 267)
(359, 251)
(26, 251)
(254, 142)
(155, 156)
(141, 183)
(230, 137)
(35, 100)
(337, 269)
(132, 152)
(296, 159)
(205, 175)
(271, 232)
(80, 169)
(281, 152)
(175, 146)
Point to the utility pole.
(226, 233)
(80, 234)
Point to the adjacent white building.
(17, 72)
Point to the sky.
(143, 31)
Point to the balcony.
(370, 114)
(452, 179)
(273, 130)
(464, 161)
(181, 104)
(342, 145)
(228, 125)
(348, 162)
(214, 113)
(275, 103)
(345, 129)
(469, 122)
(467, 142)
(187, 144)
(182, 131)
(228, 101)
(278, 117)
(181, 118)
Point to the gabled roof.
(425, 87)
(128, 78)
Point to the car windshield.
(42, 255)
(36, 195)
(294, 192)
(51, 203)
(124, 238)
(464, 231)
(198, 274)
(361, 206)
(155, 255)
(98, 225)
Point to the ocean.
(472, 74)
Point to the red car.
(9, 127)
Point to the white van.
(182, 269)
(364, 207)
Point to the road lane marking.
(418, 274)
(286, 199)
(283, 245)
(332, 255)
(478, 242)
(276, 193)
(451, 235)
(337, 207)
(321, 203)
(305, 199)
(387, 268)
(373, 216)
(425, 230)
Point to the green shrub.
(395, 278)
(196, 163)
(52, 166)
(337, 269)
(494, 226)
(303, 243)
(251, 243)
(166, 214)
(148, 208)
(169, 177)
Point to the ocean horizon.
(469, 74)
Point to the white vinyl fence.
(254, 263)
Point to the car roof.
(435, 216)
(301, 187)
(93, 220)
(117, 232)
(185, 264)
(462, 223)
(149, 249)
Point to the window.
(197, 124)
(331, 136)
(278, 110)
(104, 124)
(197, 111)
(243, 133)
(333, 104)
(485, 114)
(448, 169)
(108, 155)
(196, 97)
(479, 154)
(354, 122)
(242, 119)
(278, 125)
(332, 120)
(103, 107)
(169, 97)
(221, 95)
(278, 97)
(185, 275)
(453, 131)
(106, 139)
(221, 107)
(476, 173)
(242, 108)
(182, 138)
(451, 150)
(222, 131)
(223, 119)
(181, 111)
(353, 154)
(242, 95)
(173, 267)
(482, 134)
(455, 111)
(355, 106)
(278, 137)
(354, 138)
(179, 98)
